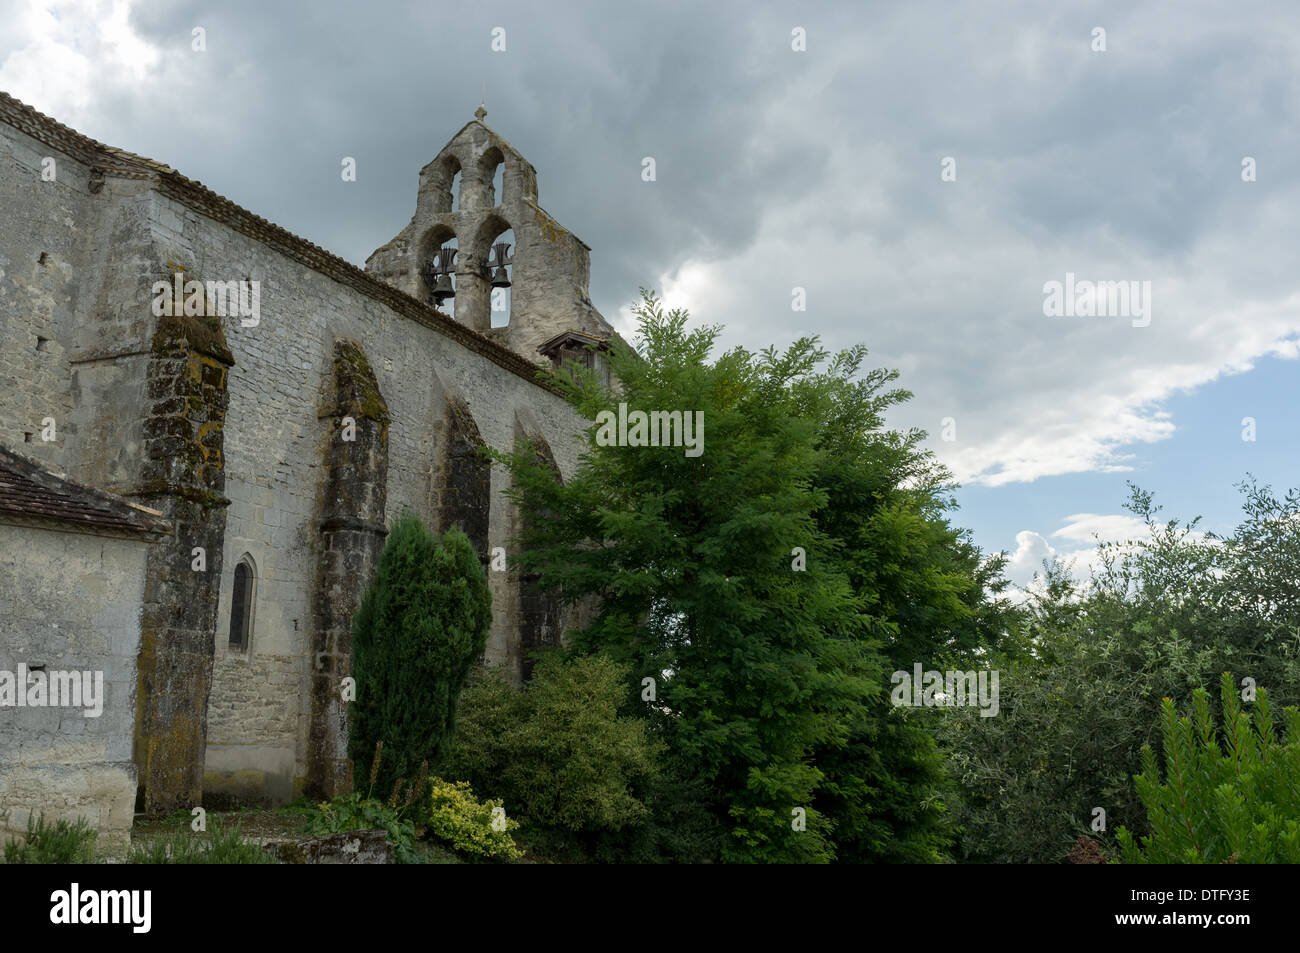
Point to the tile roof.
(575, 337)
(31, 495)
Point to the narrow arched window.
(241, 606)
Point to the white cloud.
(1081, 561)
(66, 56)
(1085, 527)
(944, 280)
(1031, 550)
(959, 313)
(941, 280)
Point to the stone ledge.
(350, 847)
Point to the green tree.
(928, 596)
(1229, 801)
(558, 751)
(420, 628)
(738, 580)
(1083, 684)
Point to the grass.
(224, 844)
(58, 843)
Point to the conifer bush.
(420, 628)
(1235, 800)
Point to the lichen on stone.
(357, 387)
(204, 333)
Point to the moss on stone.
(204, 498)
(357, 387)
(204, 333)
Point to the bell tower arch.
(542, 270)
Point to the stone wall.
(70, 602)
(256, 722)
(551, 266)
(109, 227)
(74, 338)
(283, 373)
(274, 447)
(259, 707)
(38, 285)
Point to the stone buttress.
(352, 534)
(183, 477)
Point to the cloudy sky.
(821, 169)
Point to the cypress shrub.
(420, 628)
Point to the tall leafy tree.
(739, 579)
(927, 595)
(420, 627)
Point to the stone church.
(192, 498)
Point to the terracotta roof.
(33, 496)
(575, 337)
(105, 159)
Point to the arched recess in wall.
(430, 246)
(540, 617)
(243, 599)
(444, 183)
(465, 478)
(493, 234)
(491, 171)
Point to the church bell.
(500, 279)
(442, 289)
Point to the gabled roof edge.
(201, 199)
